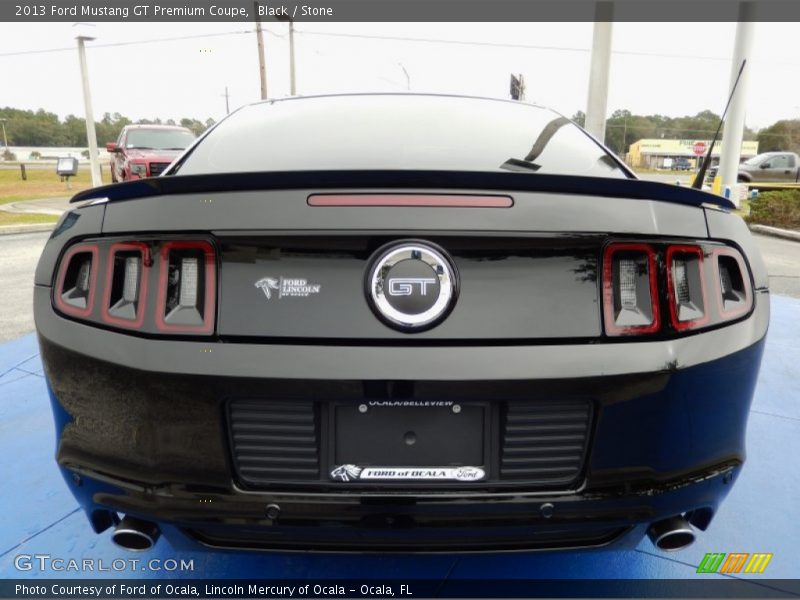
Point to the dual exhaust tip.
(671, 534)
(135, 534)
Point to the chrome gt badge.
(412, 285)
(349, 473)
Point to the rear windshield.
(159, 139)
(398, 132)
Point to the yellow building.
(661, 153)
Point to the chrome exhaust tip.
(135, 535)
(671, 534)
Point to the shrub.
(780, 208)
(9, 155)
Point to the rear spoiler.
(450, 180)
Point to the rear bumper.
(141, 426)
(411, 523)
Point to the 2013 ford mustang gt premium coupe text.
(400, 323)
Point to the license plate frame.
(390, 442)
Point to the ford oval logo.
(411, 285)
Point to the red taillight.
(633, 278)
(77, 280)
(686, 287)
(127, 273)
(734, 297)
(630, 289)
(186, 287)
(176, 296)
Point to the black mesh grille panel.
(157, 168)
(544, 443)
(274, 440)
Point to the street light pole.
(292, 83)
(91, 135)
(734, 121)
(599, 73)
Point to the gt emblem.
(266, 285)
(405, 286)
(411, 285)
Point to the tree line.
(624, 128)
(42, 128)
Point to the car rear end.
(262, 360)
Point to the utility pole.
(227, 104)
(734, 122)
(262, 66)
(91, 135)
(292, 83)
(624, 138)
(5, 139)
(597, 101)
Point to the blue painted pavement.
(39, 515)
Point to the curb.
(786, 234)
(32, 228)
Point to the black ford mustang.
(401, 323)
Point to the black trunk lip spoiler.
(636, 189)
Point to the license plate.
(409, 440)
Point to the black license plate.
(395, 440)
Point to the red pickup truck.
(146, 150)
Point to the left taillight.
(77, 280)
(154, 286)
(127, 274)
(186, 287)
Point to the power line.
(388, 38)
(497, 44)
(138, 42)
(366, 37)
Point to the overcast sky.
(666, 68)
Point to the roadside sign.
(699, 148)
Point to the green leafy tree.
(781, 135)
(579, 118)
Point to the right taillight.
(686, 287)
(701, 285)
(734, 296)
